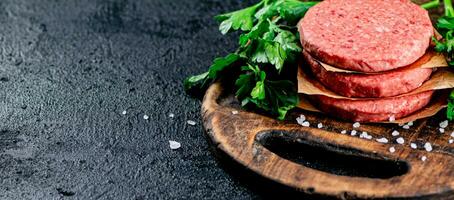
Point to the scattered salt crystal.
(192, 123)
(319, 125)
(365, 135)
(392, 118)
(392, 149)
(235, 112)
(343, 131)
(353, 133)
(423, 158)
(413, 146)
(171, 115)
(410, 123)
(305, 124)
(124, 112)
(444, 124)
(428, 146)
(400, 140)
(452, 134)
(362, 135)
(382, 140)
(451, 141)
(356, 125)
(406, 127)
(301, 119)
(174, 144)
(442, 130)
(395, 133)
(146, 117)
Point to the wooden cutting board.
(326, 162)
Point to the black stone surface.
(67, 71)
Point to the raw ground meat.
(366, 35)
(387, 84)
(372, 110)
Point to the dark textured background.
(68, 70)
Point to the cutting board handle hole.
(330, 158)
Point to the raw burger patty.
(387, 84)
(372, 110)
(366, 35)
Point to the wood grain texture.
(238, 135)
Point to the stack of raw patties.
(377, 48)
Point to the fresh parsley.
(268, 48)
(450, 110)
(445, 25)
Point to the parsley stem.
(449, 11)
(431, 4)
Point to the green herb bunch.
(268, 45)
(445, 26)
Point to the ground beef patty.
(387, 84)
(366, 35)
(372, 110)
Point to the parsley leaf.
(445, 25)
(195, 81)
(268, 45)
(241, 19)
(218, 66)
(275, 97)
(276, 54)
(293, 10)
(282, 95)
(450, 111)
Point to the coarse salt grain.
(400, 140)
(392, 118)
(395, 133)
(146, 117)
(124, 112)
(413, 146)
(444, 124)
(442, 130)
(343, 132)
(192, 123)
(171, 115)
(450, 141)
(366, 135)
(305, 124)
(392, 149)
(406, 127)
(301, 119)
(356, 125)
(174, 144)
(319, 125)
(452, 134)
(428, 146)
(423, 158)
(362, 135)
(382, 140)
(235, 112)
(410, 123)
(353, 132)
